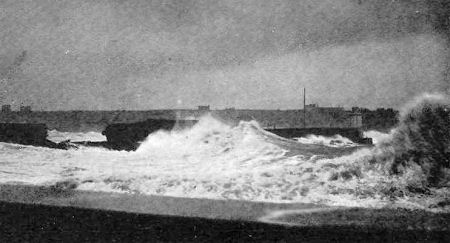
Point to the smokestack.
(304, 107)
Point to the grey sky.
(141, 54)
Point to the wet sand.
(30, 213)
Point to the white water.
(377, 137)
(57, 136)
(336, 141)
(214, 160)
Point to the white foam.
(377, 136)
(57, 136)
(334, 141)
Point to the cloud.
(99, 51)
(370, 74)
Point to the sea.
(407, 167)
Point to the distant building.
(6, 108)
(356, 119)
(331, 109)
(311, 106)
(203, 108)
(25, 109)
(317, 108)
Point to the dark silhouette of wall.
(83, 121)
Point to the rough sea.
(407, 167)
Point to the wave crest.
(210, 138)
(421, 142)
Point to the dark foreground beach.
(39, 214)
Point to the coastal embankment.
(85, 121)
(28, 134)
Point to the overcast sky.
(151, 54)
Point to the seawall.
(83, 121)
(27, 134)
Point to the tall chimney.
(304, 107)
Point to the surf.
(406, 167)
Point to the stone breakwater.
(28, 134)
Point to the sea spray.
(57, 136)
(209, 138)
(421, 142)
(334, 141)
(376, 136)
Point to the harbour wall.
(83, 121)
(28, 134)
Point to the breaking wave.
(421, 142)
(408, 167)
(376, 136)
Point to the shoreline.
(34, 213)
(146, 204)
